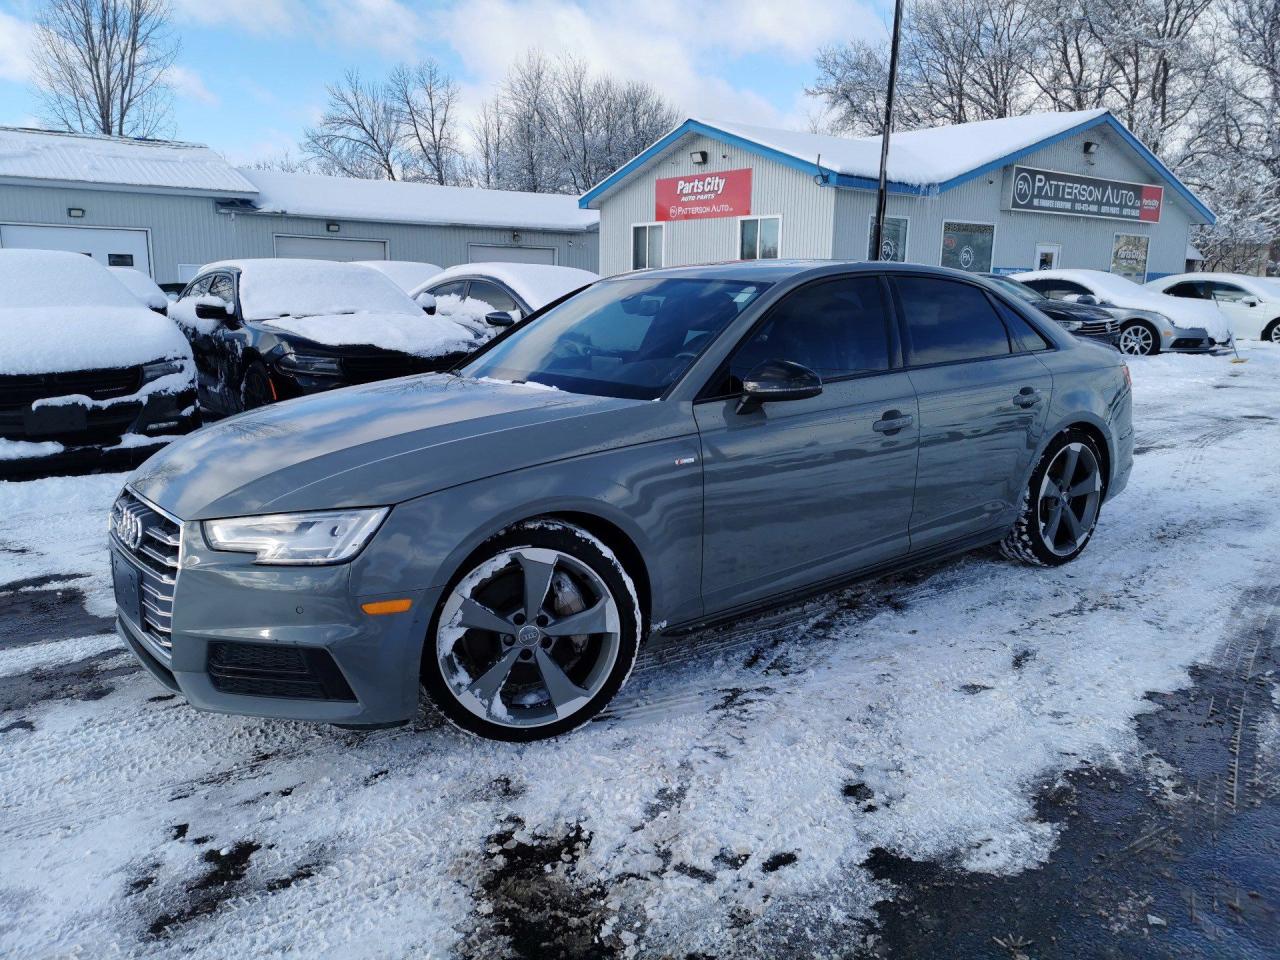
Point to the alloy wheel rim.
(528, 637)
(1275, 333)
(1136, 340)
(1070, 494)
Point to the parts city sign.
(703, 196)
(1048, 191)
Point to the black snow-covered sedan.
(1092, 323)
(266, 330)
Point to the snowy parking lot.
(977, 758)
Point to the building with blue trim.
(1048, 189)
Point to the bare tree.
(427, 99)
(485, 168)
(1072, 68)
(100, 65)
(360, 133)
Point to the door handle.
(892, 422)
(1027, 397)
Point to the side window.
(835, 328)
(1025, 336)
(454, 288)
(222, 288)
(1056, 289)
(646, 246)
(197, 287)
(758, 238)
(1187, 290)
(1226, 292)
(948, 321)
(493, 295)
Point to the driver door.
(800, 491)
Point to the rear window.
(949, 321)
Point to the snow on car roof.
(140, 285)
(277, 287)
(120, 161)
(537, 284)
(395, 201)
(406, 274)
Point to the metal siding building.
(176, 222)
(833, 219)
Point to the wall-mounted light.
(333, 227)
(698, 156)
(1090, 150)
(75, 212)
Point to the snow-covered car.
(1150, 322)
(83, 365)
(1091, 323)
(265, 330)
(142, 287)
(486, 296)
(408, 275)
(1251, 303)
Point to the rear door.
(800, 491)
(983, 397)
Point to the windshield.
(1018, 289)
(305, 288)
(621, 338)
(49, 278)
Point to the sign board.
(1129, 256)
(967, 246)
(703, 196)
(1048, 191)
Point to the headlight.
(310, 365)
(326, 536)
(1071, 325)
(161, 368)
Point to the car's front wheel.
(1060, 505)
(255, 386)
(1139, 339)
(1272, 332)
(534, 636)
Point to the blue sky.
(251, 73)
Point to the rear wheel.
(1060, 506)
(1139, 339)
(534, 636)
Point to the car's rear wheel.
(534, 636)
(1139, 339)
(255, 386)
(1060, 505)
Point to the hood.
(387, 442)
(417, 334)
(1073, 311)
(60, 339)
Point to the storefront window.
(646, 246)
(758, 238)
(1129, 256)
(967, 246)
(893, 245)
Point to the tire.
(255, 387)
(1139, 339)
(1053, 527)
(496, 662)
(1272, 333)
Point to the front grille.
(157, 554)
(272, 670)
(1097, 328)
(385, 366)
(18, 391)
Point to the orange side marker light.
(378, 608)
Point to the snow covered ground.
(728, 803)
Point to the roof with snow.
(920, 161)
(122, 162)
(394, 201)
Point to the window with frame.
(646, 246)
(493, 295)
(1187, 290)
(759, 238)
(1056, 289)
(1025, 337)
(1226, 292)
(948, 321)
(893, 242)
(197, 287)
(967, 246)
(220, 286)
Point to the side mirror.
(501, 318)
(1086, 300)
(213, 308)
(427, 302)
(1251, 301)
(776, 380)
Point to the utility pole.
(882, 195)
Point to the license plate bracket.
(127, 582)
(62, 418)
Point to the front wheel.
(534, 636)
(255, 387)
(1139, 339)
(1272, 333)
(1060, 506)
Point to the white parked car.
(83, 365)
(1251, 303)
(497, 294)
(1150, 322)
(142, 287)
(406, 274)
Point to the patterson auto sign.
(1048, 191)
(723, 194)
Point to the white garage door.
(111, 248)
(329, 248)
(483, 252)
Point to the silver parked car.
(660, 451)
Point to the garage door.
(328, 248)
(111, 248)
(482, 252)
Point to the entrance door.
(111, 248)
(1047, 255)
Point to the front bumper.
(1193, 340)
(282, 642)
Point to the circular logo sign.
(888, 250)
(966, 257)
(1022, 188)
(128, 528)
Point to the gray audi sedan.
(657, 452)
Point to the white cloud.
(386, 26)
(16, 38)
(187, 83)
(256, 16)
